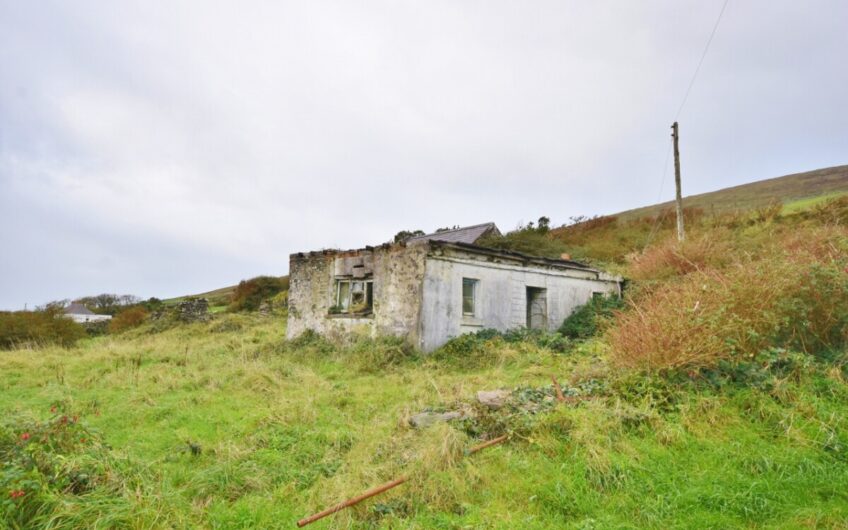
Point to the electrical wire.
(677, 115)
(701, 61)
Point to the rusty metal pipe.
(493, 441)
(560, 396)
(350, 502)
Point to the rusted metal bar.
(560, 397)
(493, 441)
(350, 502)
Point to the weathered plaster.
(397, 272)
(501, 301)
(417, 291)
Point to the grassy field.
(717, 397)
(802, 205)
(281, 434)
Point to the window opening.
(353, 296)
(469, 296)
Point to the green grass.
(286, 431)
(223, 292)
(809, 202)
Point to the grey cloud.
(173, 147)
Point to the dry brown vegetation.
(128, 318)
(784, 286)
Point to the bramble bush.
(45, 464)
(587, 319)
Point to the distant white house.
(81, 314)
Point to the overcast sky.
(167, 148)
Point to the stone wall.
(310, 280)
(397, 272)
(193, 310)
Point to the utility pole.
(678, 194)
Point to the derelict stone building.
(435, 287)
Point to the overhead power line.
(701, 61)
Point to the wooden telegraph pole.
(678, 194)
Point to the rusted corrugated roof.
(468, 234)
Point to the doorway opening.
(537, 308)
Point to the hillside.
(220, 299)
(216, 297)
(789, 188)
(715, 395)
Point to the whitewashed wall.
(501, 295)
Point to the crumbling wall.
(193, 310)
(310, 280)
(397, 272)
(398, 285)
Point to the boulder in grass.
(494, 399)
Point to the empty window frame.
(469, 296)
(354, 296)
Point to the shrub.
(490, 346)
(249, 294)
(585, 321)
(794, 296)
(21, 328)
(46, 466)
(671, 258)
(97, 328)
(128, 319)
(834, 211)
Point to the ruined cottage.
(434, 287)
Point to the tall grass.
(227, 426)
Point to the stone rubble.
(494, 399)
